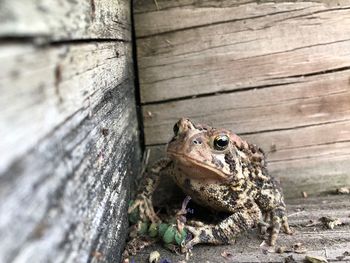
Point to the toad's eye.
(221, 142)
(176, 128)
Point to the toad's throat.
(196, 169)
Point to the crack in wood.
(316, 73)
(215, 93)
(313, 13)
(275, 130)
(217, 23)
(93, 9)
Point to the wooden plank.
(316, 171)
(251, 49)
(148, 23)
(48, 85)
(143, 6)
(66, 20)
(318, 240)
(304, 128)
(317, 100)
(275, 73)
(69, 131)
(65, 200)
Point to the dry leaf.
(154, 257)
(289, 259)
(266, 247)
(299, 248)
(226, 255)
(343, 190)
(330, 222)
(315, 259)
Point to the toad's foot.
(226, 230)
(203, 234)
(278, 218)
(136, 245)
(145, 209)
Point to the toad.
(219, 170)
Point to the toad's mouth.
(202, 170)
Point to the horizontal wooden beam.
(316, 100)
(276, 73)
(259, 45)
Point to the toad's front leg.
(223, 233)
(142, 207)
(149, 183)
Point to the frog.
(221, 171)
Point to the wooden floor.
(304, 215)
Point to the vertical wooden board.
(70, 141)
(66, 20)
(41, 87)
(65, 200)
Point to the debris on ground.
(312, 223)
(315, 259)
(281, 250)
(154, 257)
(304, 194)
(330, 222)
(265, 247)
(299, 248)
(344, 255)
(289, 259)
(343, 191)
(97, 255)
(227, 255)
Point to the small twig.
(325, 252)
(156, 3)
(296, 213)
(145, 160)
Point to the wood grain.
(69, 131)
(66, 20)
(316, 100)
(318, 240)
(63, 81)
(253, 50)
(277, 73)
(65, 200)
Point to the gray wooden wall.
(277, 73)
(69, 134)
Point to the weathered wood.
(65, 200)
(318, 240)
(63, 80)
(277, 73)
(315, 172)
(254, 49)
(317, 100)
(66, 20)
(69, 132)
(304, 128)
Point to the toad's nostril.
(197, 141)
